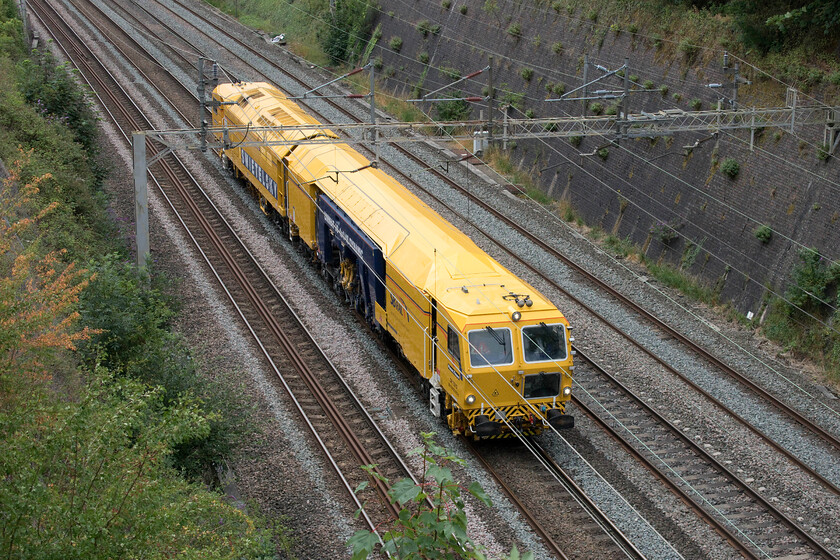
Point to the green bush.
(689, 50)
(396, 44)
(822, 152)
(596, 108)
(80, 223)
(90, 478)
(423, 57)
(814, 278)
(730, 168)
(530, 114)
(527, 74)
(557, 47)
(445, 4)
(133, 315)
(515, 30)
(763, 233)
(575, 140)
(695, 104)
(463, 9)
(349, 31)
(422, 530)
(648, 84)
(453, 110)
(604, 153)
(663, 89)
(664, 232)
(424, 27)
(633, 28)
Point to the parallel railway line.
(737, 536)
(339, 422)
(553, 546)
(750, 522)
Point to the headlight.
(567, 391)
(470, 399)
(516, 316)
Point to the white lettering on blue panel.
(261, 174)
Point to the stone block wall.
(642, 182)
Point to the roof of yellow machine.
(425, 248)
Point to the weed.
(664, 232)
(515, 30)
(822, 152)
(463, 9)
(423, 27)
(557, 47)
(530, 114)
(527, 74)
(657, 41)
(633, 28)
(663, 89)
(423, 57)
(648, 84)
(575, 140)
(596, 108)
(396, 44)
(763, 233)
(615, 28)
(592, 16)
(689, 50)
(695, 104)
(604, 153)
(619, 247)
(730, 167)
(446, 4)
(559, 88)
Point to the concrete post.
(141, 199)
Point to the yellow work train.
(494, 354)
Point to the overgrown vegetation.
(349, 29)
(805, 320)
(101, 410)
(423, 531)
(763, 233)
(730, 167)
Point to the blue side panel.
(334, 223)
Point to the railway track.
(750, 522)
(593, 529)
(798, 418)
(338, 421)
(136, 47)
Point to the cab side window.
(453, 344)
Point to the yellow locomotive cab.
(493, 353)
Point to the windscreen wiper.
(498, 338)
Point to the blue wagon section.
(340, 238)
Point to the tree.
(37, 293)
(421, 531)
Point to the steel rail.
(722, 527)
(82, 59)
